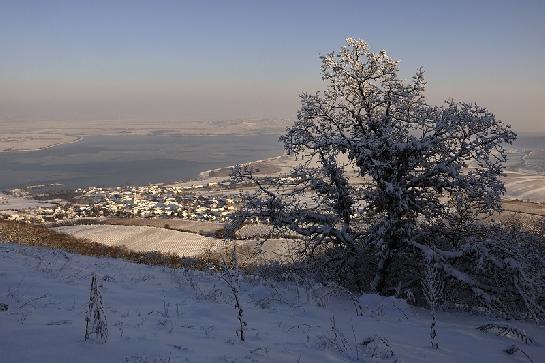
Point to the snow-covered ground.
(34, 141)
(523, 186)
(143, 238)
(11, 203)
(157, 314)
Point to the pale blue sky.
(193, 60)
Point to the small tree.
(384, 178)
(231, 276)
(432, 286)
(96, 326)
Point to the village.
(201, 202)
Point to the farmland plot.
(143, 238)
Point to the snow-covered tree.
(385, 180)
(432, 287)
(96, 326)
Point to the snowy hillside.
(143, 238)
(155, 314)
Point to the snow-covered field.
(142, 238)
(11, 203)
(34, 141)
(156, 314)
(523, 186)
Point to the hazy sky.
(192, 60)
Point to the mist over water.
(120, 160)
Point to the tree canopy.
(383, 174)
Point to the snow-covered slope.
(157, 314)
(143, 238)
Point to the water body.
(121, 160)
(527, 155)
(136, 160)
